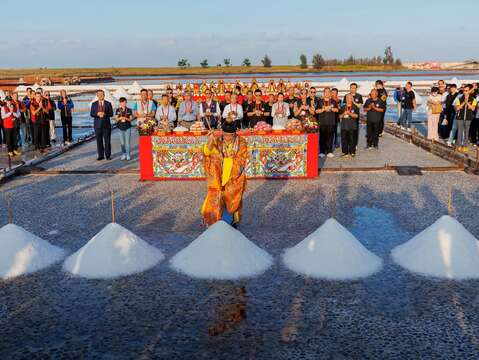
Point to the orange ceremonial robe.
(226, 178)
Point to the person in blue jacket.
(65, 105)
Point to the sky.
(135, 33)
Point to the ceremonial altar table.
(271, 155)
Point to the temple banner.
(180, 157)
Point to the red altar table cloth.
(276, 156)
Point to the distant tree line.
(317, 61)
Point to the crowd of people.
(337, 118)
(452, 113)
(31, 121)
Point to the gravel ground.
(280, 315)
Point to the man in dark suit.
(101, 112)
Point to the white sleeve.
(226, 110)
(4, 114)
(157, 113)
(200, 106)
(287, 111)
(218, 111)
(240, 113)
(172, 115)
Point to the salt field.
(367, 273)
(163, 313)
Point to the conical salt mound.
(221, 253)
(22, 252)
(114, 251)
(135, 88)
(445, 249)
(331, 252)
(121, 92)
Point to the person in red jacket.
(10, 116)
(39, 116)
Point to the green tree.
(303, 61)
(246, 62)
(398, 62)
(204, 63)
(350, 60)
(227, 62)
(388, 56)
(266, 61)
(183, 63)
(318, 61)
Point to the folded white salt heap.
(331, 252)
(445, 250)
(114, 251)
(22, 252)
(221, 253)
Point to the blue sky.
(157, 33)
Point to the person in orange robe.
(225, 162)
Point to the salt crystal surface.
(22, 252)
(445, 250)
(332, 252)
(114, 251)
(222, 253)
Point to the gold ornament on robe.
(254, 85)
(271, 87)
(221, 88)
(203, 87)
(226, 179)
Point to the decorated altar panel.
(270, 156)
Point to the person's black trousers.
(103, 142)
(2, 133)
(46, 133)
(474, 131)
(40, 134)
(373, 133)
(326, 138)
(348, 143)
(11, 139)
(67, 122)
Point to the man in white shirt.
(280, 111)
(234, 111)
(165, 113)
(210, 111)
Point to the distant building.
(436, 65)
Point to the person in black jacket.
(374, 107)
(101, 112)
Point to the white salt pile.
(332, 252)
(113, 252)
(342, 85)
(445, 249)
(221, 253)
(22, 252)
(135, 88)
(180, 129)
(121, 92)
